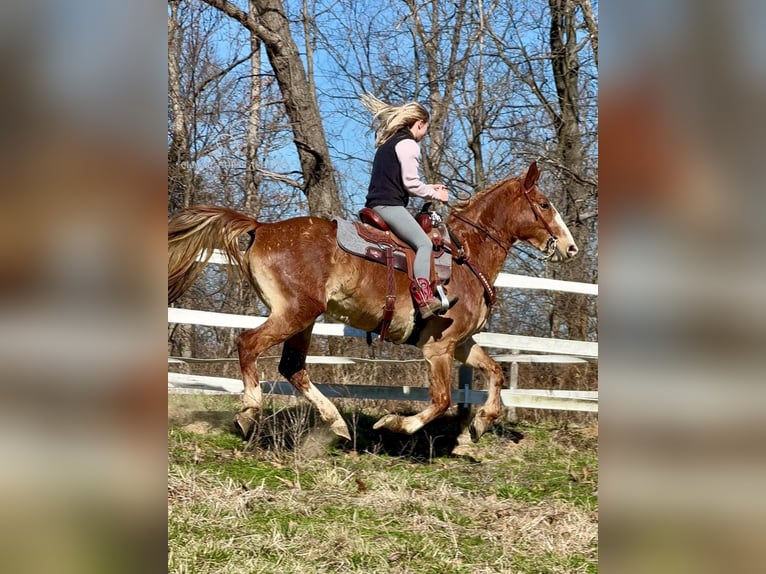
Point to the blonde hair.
(388, 119)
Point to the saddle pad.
(350, 241)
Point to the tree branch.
(529, 78)
(204, 83)
(243, 18)
(274, 176)
(574, 175)
(591, 25)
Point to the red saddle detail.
(424, 220)
(370, 217)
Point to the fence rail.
(529, 398)
(557, 351)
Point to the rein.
(461, 257)
(457, 249)
(486, 232)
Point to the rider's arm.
(408, 152)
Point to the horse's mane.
(484, 192)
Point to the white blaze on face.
(565, 239)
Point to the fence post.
(464, 382)
(510, 414)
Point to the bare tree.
(269, 23)
(180, 173)
(445, 56)
(201, 100)
(591, 25)
(565, 64)
(527, 45)
(252, 176)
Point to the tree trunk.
(252, 202)
(180, 175)
(568, 312)
(590, 25)
(270, 24)
(441, 74)
(477, 113)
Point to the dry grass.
(524, 502)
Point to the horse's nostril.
(572, 250)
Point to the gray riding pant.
(404, 225)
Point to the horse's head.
(541, 224)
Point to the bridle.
(550, 246)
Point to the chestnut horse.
(299, 272)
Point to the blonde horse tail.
(194, 233)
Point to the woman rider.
(395, 178)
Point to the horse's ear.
(532, 176)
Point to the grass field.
(292, 500)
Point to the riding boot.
(424, 297)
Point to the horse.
(299, 272)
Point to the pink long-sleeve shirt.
(408, 152)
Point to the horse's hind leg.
(473, 355)
(293, 367)
(250, 345)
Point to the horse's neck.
(494, 212)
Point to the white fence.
(556, 351)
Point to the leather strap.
(537, 213)
(455, 247)
(489, 290)
(485, 231)
(388, 308)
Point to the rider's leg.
(404, 226)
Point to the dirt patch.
(201, 427)
(585, 437)
(202, 413)
(316, 443)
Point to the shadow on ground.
(298, 428)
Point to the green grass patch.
(522, 501)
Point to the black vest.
(386, 184)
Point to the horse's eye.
(544, 205)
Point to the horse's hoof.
(390, 422)
(478, 427)
(339, 428)
(244, 421)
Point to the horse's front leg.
(439, 357)
(471, 354)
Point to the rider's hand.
(440, 192)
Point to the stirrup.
(446, 302)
